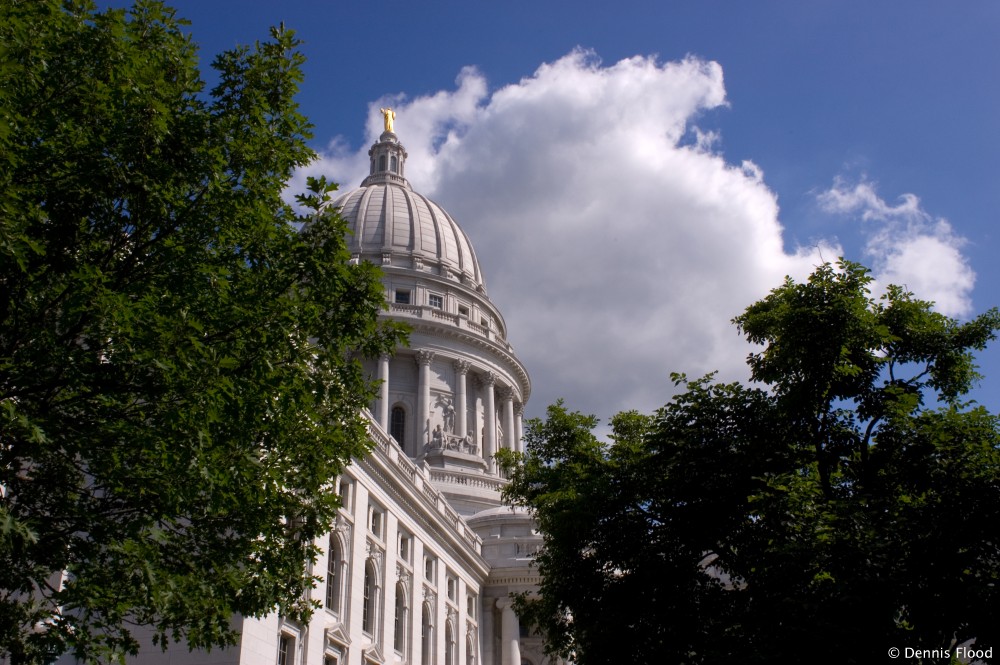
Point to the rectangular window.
(404, 547)
(403, 296)
(285, 645)
(429, 569)
(344, 490)
(452, 589)
(470, 606)
(463, 311)
(376, 523)
(435, 301)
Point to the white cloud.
(614, 237)
(907, 246)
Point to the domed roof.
(391, 225)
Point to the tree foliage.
(847, 502)
(176, 385)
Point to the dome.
(455, 394)
(391, 225)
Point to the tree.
(847, 503)
(177, 389)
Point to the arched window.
(399, 632)
(381, 163)
(470, 651)
(393, 164)
(397, 425)
(449, 644)
(426, 636)
(334, 563)
(369, 609)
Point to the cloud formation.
(905, 245)
(614, 237)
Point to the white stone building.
(424, 556)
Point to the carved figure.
(449, 417)
(388, 116)
(448, 413)
(437, 437)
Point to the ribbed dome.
(391, 225)
(394, 220)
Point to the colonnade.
(512, 412)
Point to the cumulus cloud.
(614, 236)
(905, 245)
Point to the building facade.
(422, 561)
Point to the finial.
(388, 115)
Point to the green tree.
(177, 389)
(847, 503)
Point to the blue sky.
(755, 137)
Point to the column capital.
(506, 393)
(462, 366)
(424, 357)
(489, 378)
(505, 603)
(385, 357)
(518, 409)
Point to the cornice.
(513, 579)
(514, 366)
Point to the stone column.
(383, 391)
(510, 634)
(461, 408)
(490, 421)
(519, 427)
(487, 630)
(424, 359)
(508, 418)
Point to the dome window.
(463, 311)
(381, 163)
(393, 164)
(435, 301)
(397, 425)
(402, 297)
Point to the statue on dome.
(388, 116)
(447, 413)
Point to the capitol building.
(424, 556)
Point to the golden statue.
(388, 115)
